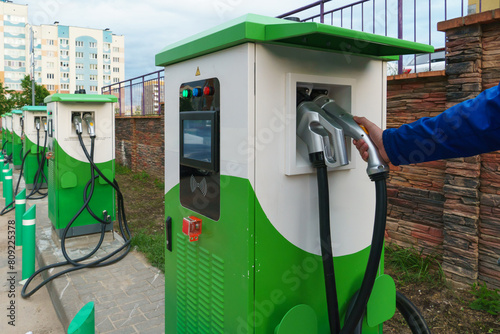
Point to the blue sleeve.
(469, 128)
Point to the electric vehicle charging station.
(243, 251)
(69, 171)
(8, 134)
(34, 143)
(17, 133)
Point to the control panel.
(199, 107)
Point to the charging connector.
(77, 122)
(89, 119)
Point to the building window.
(64, 53)
(92, 44)
(106, 77)
(65, 86)
(107, 46)
(105, 56)
(51, 42)
(116, 59)
(50, 87)
(93, 88)
(79, 77)
(64, 41)
(78, 87)
(115, 80)
(64, 64)
(79, 54)
(93, 56)
(93, 66)
(78, 43)
(93, 77)
(65, 75)
(116, 69)
(79, 66)
(106, 67)
(50, 75)
(116, 49)
(50, 54)
(50, 64)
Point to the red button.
(208, 90)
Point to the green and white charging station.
(241, 202)
(8, 133)
(69, 169)
(34, 143)
(17, 133)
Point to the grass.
(122, 170)
(413, 266)
(485, 299)
(152, 246)
(143, 198)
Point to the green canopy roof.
(311, 35)
(17, 111)
(34, 108)
(89, 98)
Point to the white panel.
(30, 129)
(65, 133)
(291, 202)
(235, 70)
(16, 124)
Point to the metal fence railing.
(414, 20)
(140, 96)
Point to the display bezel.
(213, 165)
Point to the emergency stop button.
(191, 226)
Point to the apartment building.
(477, 6)
(65, 58)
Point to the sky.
(151, 25)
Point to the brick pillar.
(462, 204)
(461, 220)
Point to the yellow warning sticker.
(197, 71)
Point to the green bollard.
(5, 169)
(29, 227)
(84, 320)
(1, 167)
(20, 211)
(8, 191)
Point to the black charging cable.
(317, 159)
(104, 261)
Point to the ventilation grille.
(200, 289)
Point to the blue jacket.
(469, 128)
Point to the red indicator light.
(208, 90)
(197, 92)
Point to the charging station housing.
(243, 243)
(34, 144)
(69, 168)
(17, 133)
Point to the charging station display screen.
(197, 140)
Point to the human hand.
(375, 134)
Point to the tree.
(40, 92)
(7, 102)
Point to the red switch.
(191, 226)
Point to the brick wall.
(416, 196)
(450, 207)
(140, 144)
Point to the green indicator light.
(186, 93)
